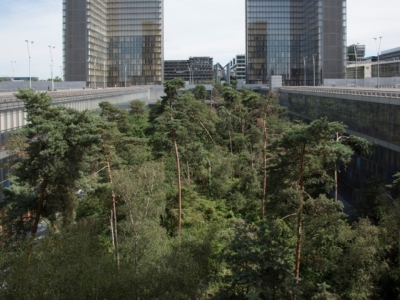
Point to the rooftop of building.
(363, 91)
(372, 62)
(391, 50)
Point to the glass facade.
(373, 119)
(352, 73)
(295, 39)
(386, 69)
(113, 42)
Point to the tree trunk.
(264, 196)
(39, 209)
(230, 144)
(178, 175)
(113, 216)
(336, 183)
(300, 217)
(112, 227)
(209, 177)
(336, 172)
(37, 218)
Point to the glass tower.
(295, 39)
(113, 42)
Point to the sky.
(192, 28)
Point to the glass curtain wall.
(386, 69)
(75, 40)
(268, 28)
(110, 42)
(97, 43)
(135, 49)
(298, 39)
(311, 42)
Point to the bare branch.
(295, 214)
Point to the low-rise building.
(389, 65)
(193, 70)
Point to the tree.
(184, 126)
(308, 151)
(168, 124)
(360, 147)
(137, 107)
(263, 110)
(111, 113)
(58, 152)
(200, 92)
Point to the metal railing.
(67, 95)
(348, 91)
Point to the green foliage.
(200, 92)
(137, 107)
(59, 143)
(232, 157)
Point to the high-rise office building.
(113, 42)
(295, 39)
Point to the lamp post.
(104, 74)
(305, 75)
(191, 79)
(355, 54)
(125, 74)
(12, 64)
(29, 53)
(313, 59)
(94, 73)
(378, 48)
(52, 65)
(95, 61)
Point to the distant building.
(354, 49)
(391, 54)
(193, 70)
(238, 67)
(219, 72)
(370, 69)
(110, 42)
(389, 65)
(295, 39)
(9, 78)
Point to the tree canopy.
(232, 200)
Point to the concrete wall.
(275, 82)
(13, 86)
(366, 82)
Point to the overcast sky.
(192, 28)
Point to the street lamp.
(51, 67)
(355, 54)
(125, 74)
(95, 61)
(29, 53)
(190, 74)
(313, 58)
(104, 74)
(378, 50)
(94, 73)
(305, 75)
(12, 64)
